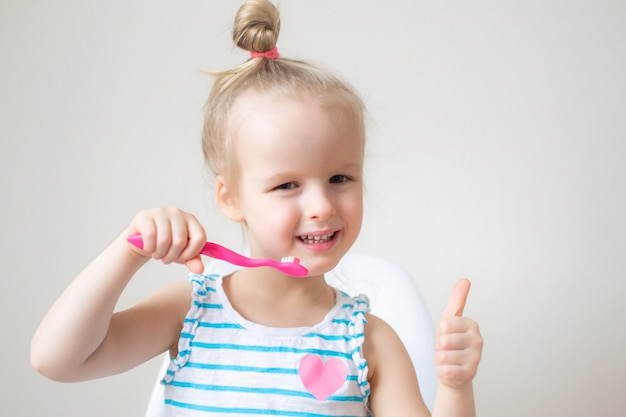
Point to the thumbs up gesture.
(458, 343)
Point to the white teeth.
(311, 239)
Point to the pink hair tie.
(271, 54)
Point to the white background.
(496, 151)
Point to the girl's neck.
(267, 297)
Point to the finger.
(450, 357)
(163, 240)
(195, 265)
(455, 376)
(451, 341)
(196, 240)
(178, 239)
(456, 366)
(457, 299)
(456, 324)
(145, 226)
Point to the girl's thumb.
(458, 298)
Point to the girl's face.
(300, 178)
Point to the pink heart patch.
(322, 380)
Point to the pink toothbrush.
(288, 265)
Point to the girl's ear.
(226, 200)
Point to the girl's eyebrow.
(353, 165)
(281, 176)
(293, 174)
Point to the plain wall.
(497, 134)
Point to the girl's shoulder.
(391, 373)
(378, 331)
(381, 343)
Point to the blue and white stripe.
(228, 366)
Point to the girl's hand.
(458, 343)
(169, 235)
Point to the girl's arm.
(81, 338)
(394, 386)
(458, 347)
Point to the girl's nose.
(318, 205)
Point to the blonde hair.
(256, 29)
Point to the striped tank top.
(229, 366)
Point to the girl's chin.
(317, 266)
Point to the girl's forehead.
(291, 117)
(290, 112)
(289, 131)
(265, 125)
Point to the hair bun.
(257, 25)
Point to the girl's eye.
(338, 179)
(286, 186)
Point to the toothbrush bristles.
(290, 259)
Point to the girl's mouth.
(316, 239)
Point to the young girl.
(285, 141)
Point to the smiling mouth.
(316, 239)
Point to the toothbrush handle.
(220, 252)
(215, 250)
